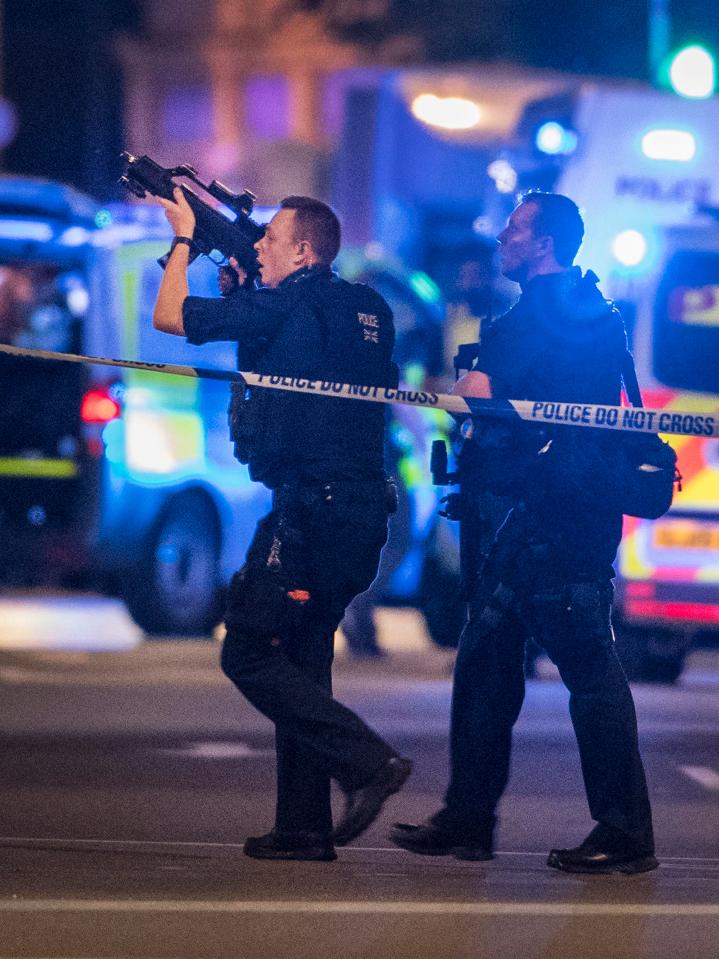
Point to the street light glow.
(447, 113)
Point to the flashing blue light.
(636, 252)
(629, 247)
(103, 218)
(554, 139)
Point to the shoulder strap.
(629, 378)
(467, 353)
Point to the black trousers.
(316, 549)
(572, 623)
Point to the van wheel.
(175, 588)
(651, 655)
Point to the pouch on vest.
(646, 467)
(630, 473)
(242, 419)
(645, 471)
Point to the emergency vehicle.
(124, 480)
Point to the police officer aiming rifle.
(320, 544)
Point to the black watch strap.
(181, 239)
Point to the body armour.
(561, 341)
(318, 327)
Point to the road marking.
(33, 623)
(703, 775)
(352, 907)
(152, 676)
(218, 750)
(43, 841)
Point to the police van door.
(42, 482)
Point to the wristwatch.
(181, 239)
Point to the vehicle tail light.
(98, 406)
(672, 611)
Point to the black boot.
(296, 846)
(605, 850)
(431, 840)
(364, 805)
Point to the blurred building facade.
(249, 91)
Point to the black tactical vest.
(334, 331)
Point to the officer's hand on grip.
(179, 213)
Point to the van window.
(42, 306)
(686, 323)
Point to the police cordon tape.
(623, 418)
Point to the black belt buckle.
(391, 497)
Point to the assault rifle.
(214, 230)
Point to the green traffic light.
(691, 72)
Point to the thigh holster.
(260, 604)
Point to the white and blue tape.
(595, 416)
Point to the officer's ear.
(545, 245)
(305, 253)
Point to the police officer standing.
(548, 574)
(320, 544)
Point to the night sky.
(61, 76)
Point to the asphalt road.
(129, 779)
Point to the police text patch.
(370, 325)
(368, 319)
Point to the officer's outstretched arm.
(167, 315)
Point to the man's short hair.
(558, 217)
(317, 223)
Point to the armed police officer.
(548, 574)
(320, 544)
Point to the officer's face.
(278, 251)
(520, 249)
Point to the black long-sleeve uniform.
(548, 574)
(320, 545)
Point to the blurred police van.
(124, 480)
